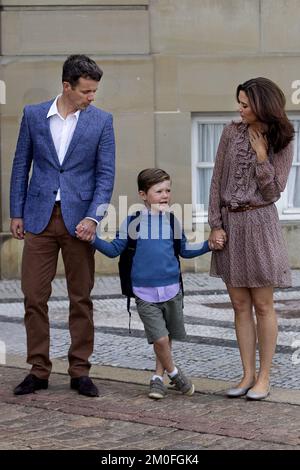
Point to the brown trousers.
(39, 265)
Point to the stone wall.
(162, 61)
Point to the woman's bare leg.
(267, 331)
(245, 332)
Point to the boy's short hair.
(151, 176)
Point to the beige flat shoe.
(237, 391)
(257, 396)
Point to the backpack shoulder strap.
(132, 241)
(131, 247)
(177, 234)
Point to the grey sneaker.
(157, 389)
(182, 383)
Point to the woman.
(251, 170)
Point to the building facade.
(171, 68)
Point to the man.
(70, 146)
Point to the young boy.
(155, 276)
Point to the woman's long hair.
(267, 102)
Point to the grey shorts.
(162, 319)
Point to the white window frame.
(284, 213)
(203, 118)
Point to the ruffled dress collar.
(244, 161)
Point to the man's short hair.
(151, 176)
(80, 66)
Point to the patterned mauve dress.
(255, 254)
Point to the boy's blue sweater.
(154, 262)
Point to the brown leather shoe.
(30, 384)
(85, 386)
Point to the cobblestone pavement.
(123, 418)
(210, 351)
(109, 285)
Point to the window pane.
(296, 125)
(208, 140)
(204, 178)
(293, 185)
(293, 188)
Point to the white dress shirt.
(62, 131)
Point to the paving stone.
(123, 417)
(126, 419)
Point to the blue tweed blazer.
(85, 178)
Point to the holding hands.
(217, 239)
(86, 229)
